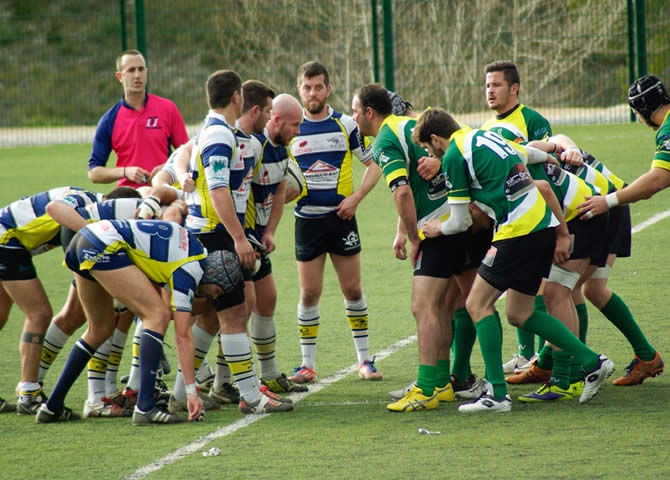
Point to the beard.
(315, 108)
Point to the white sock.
(263, 334)
(54, 340)
(97, 368)
(222, 374)
(115, 355)
(134, 378)
(308, 323)
(202, 341)
(204, 372)
(238, 356)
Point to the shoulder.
(215, 131)
(110, 115)
(346, 121)
(161, 101)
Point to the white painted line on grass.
(650, 221)
(197, 444)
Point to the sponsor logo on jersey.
(320, 167)
(321, 175)
(665, 145)
(337, 143)
(183, 240)
(301, 148)
(518, 182)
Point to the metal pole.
(388, 45)
(140, 27)
(124, 31)
(641, 36)
(631, 48)
(375, 41)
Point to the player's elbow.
(95, 175)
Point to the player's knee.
(309, 296)
(516, 319)
(475, 308)
(69, 323)
(352, 293)
(38, 320)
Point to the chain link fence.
(58, 57)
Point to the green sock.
(560, 374)
(583, 315)
(526, 342)
(617, 312)
(490, 342)
(539, 305)
(426, 379)
(576, 371)
(442, 374)
(558, 334)
(465, 336)
(544, 358)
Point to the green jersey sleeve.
(662, 155)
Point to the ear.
(118, 76)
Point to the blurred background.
(576, 57)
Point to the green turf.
(344, 431)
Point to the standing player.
(140, 129)
(530, 233)
(649, 99)
(213, 217)
(518, 123)
(266, 204)
(434, 261)
(325, 218)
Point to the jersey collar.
(508, 112)
(327, 117)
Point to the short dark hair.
(220, 88)
(375, 96)
(130, 52)
(508, 68)
(313, 69)
(123, 192)
(434, 121)
(255, 93)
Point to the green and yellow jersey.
(570, 190)
(398, 157)
(662, 155)
(483, 167)
(520, 125)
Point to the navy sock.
(151, 347)
(79, 356)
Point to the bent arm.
(65, 215)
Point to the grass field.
(344, 430)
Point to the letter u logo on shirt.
(152, 122)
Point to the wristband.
(612, 200)
(190, 389)
(555, 148)
(124, 173)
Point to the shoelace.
(371, 364)
(631, 365)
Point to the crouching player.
(124, 260)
